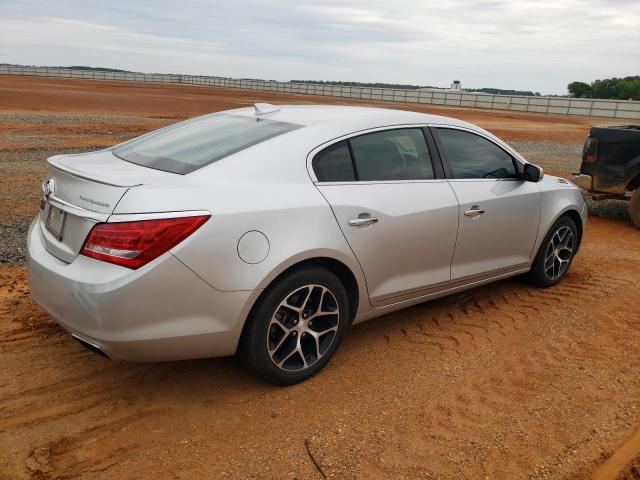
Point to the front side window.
(190, 145)
(472, 156)
(392, 155)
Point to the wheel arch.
(339, 269)
(353, 281)
(575, 216)
(634, 183)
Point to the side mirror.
(532, 173)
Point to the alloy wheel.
(558, 253)
(303, 327)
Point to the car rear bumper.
(162, 311)
(583, 181)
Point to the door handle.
(475, 211)
(360, 222)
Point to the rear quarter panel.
(264, 188)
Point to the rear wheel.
(634, 207)
(555, 254)
(296, 327)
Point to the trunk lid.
(81, 190)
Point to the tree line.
(362, 84)
(627, 88)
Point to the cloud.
(540, 45)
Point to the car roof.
(321, 125)
(363, 117)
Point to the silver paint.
(193, 301)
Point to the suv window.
(392, 155)
(472, 156)
(333, 164)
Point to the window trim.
(518, 162)
(436, 161)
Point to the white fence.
(619, 109)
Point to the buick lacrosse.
(267, 231)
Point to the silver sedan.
(267, 231)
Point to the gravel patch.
(80, 117)
(13, 242)
(26, 168)
(552, 156)
(34, 160)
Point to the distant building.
(456, 86)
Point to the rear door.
(499, 213)
(396, 210)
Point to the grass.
(617, 209)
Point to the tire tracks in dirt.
(504, 381)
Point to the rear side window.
(334, 164)
(190, 145)
(472, 156)
(392, 155)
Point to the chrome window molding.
(376, 182)
(506, 148)
(358, 133)
(464, 180)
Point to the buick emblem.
(49, 187)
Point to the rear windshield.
(190, 145)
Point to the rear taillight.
(590, 150)
(133, 244)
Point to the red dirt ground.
(503, 382)
(171, 102)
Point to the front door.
(499, 213)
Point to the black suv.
(611, 166)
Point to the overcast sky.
(537, 45)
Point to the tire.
(296, 326)
(634, 207)
(555, 254)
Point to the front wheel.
(296, 327)
(555, 254)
